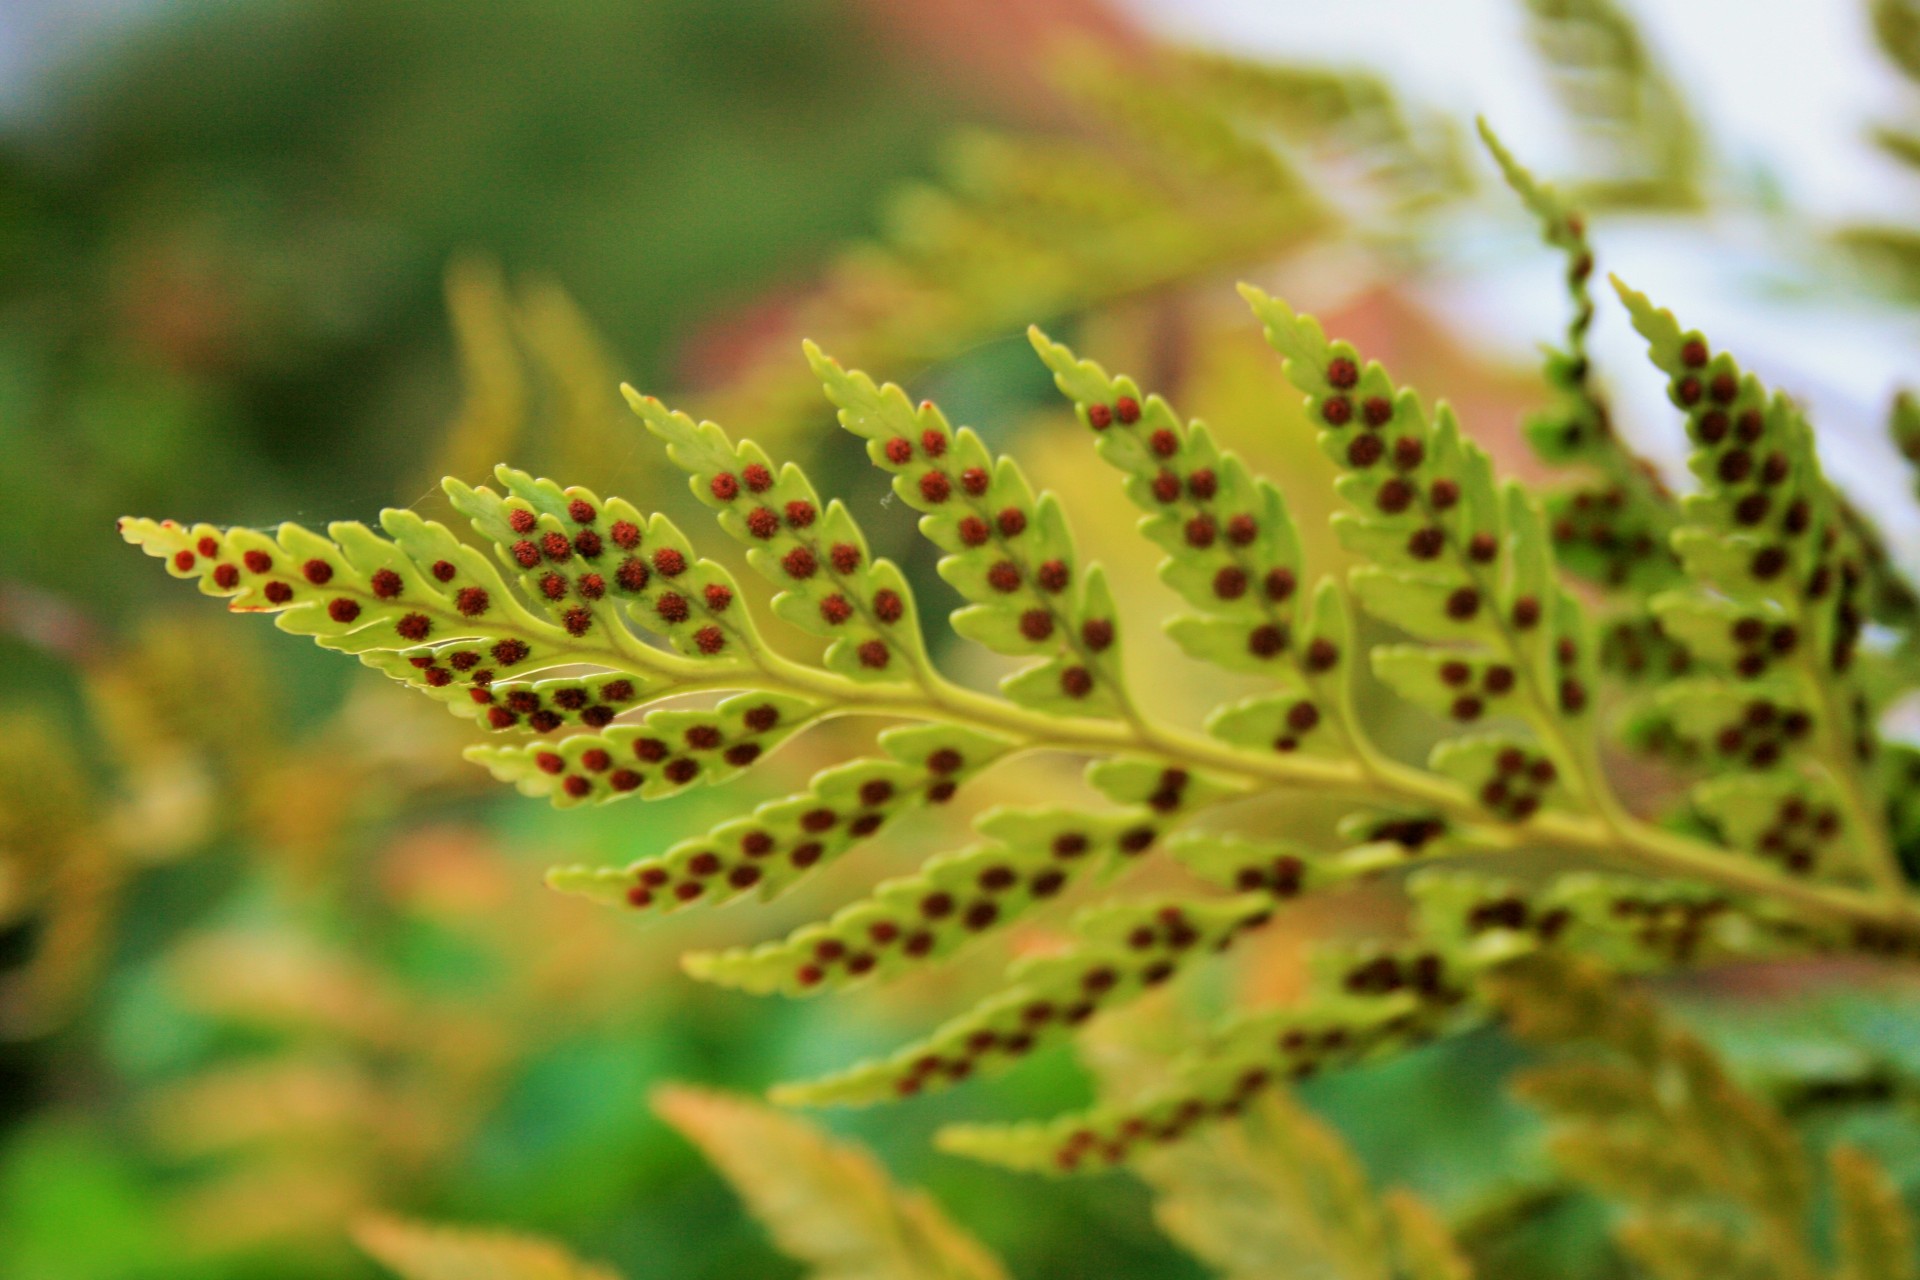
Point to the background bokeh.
(273, 955)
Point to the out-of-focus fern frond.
(539, 382)
(416, 1251)
(1644, 146)
(1279, 1194)
(1348, 123)
(1873, 1234)
(497, 396)
(1888, 255)
(1714, 1181)
(1896, 25)
(1192, 165)
(826, 1203)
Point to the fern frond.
(1007, 552)
(1766, 530)
(1633, 116)
(414, 1251)
(1176, 177)
(1716, 1181)
(1458, 562)
(1616, 530)
(1278, 1194)
(1874, 1231)
(827, 1204)
(1424, 1246)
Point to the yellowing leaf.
(1287, 1199)
(415, 1251)
(826, 1203)
(1425, 1247)
(1874, 1230)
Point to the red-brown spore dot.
(341, 609)
(1267, 640)
(799, 563)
